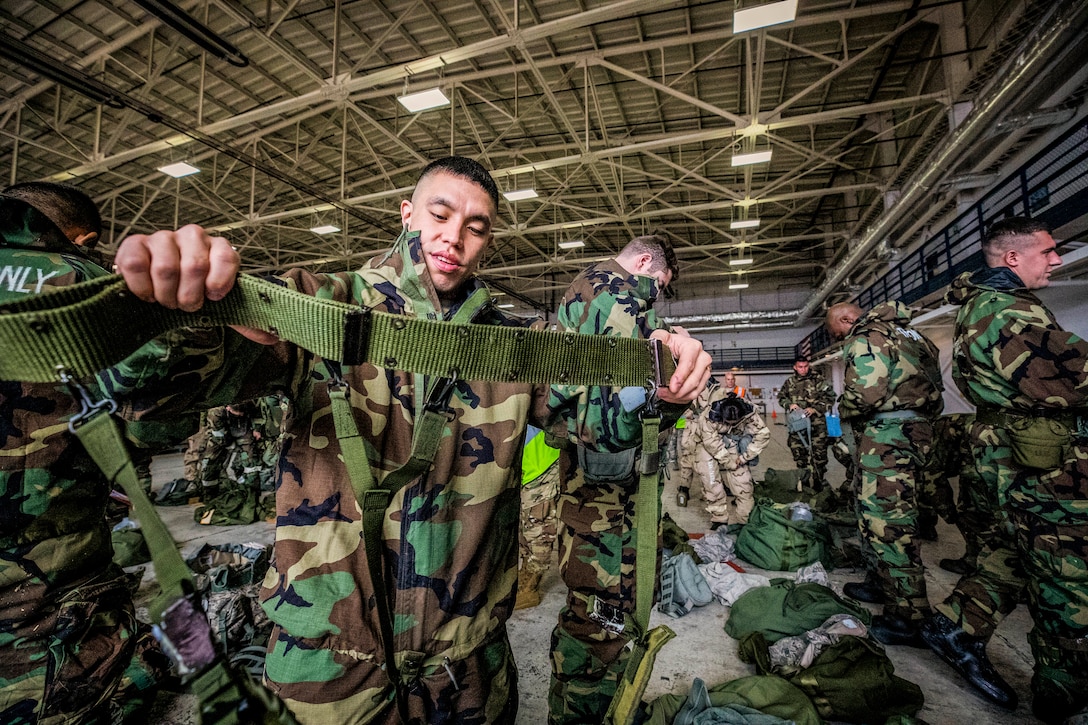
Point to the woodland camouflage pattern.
(810, 391)
(597, 537)
(450, 537)
(952, 457)
(1010, 353)
(68, 631)
(727, 487)
(891, 367)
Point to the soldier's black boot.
(967, 655)
(959, 566)
(866, 591)
(897, 630)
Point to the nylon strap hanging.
(91, 326)
(646, 642)
(225, 699)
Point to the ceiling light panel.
(424, 100)
(520, 194)
(179, 169)
(754, 157)
(744, 224)
(762, 16)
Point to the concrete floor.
(701, 648)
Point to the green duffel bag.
(787, 608)
(852, 680)
(772, 541)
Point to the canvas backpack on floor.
(786, 608)
(772, 541)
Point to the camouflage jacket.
(53, 532)
(811, 391)
(890, 366)
(1008, 349)
(450, 535)
(606, 300)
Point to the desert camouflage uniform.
(811, 391)
(728, 487)
(597, 534)
(539, 494)
(892, 369)
(71, 650)
(450, 535)
(1013, 360)
(687, 464)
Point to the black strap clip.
(357, 324)
(88, 405)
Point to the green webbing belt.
(88, 327)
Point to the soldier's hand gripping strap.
(648, 642)
(225, 697)
(91, 326)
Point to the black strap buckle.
(88, 406)
(357, 324)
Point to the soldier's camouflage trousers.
(983, 598)
(85, 660)
(816, 458)
(1050, 515)
(842, 454)
(973, 513)
(597, 564)
(194, 454)
(892, 455)
(538, 520)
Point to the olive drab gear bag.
(786, 608)
(852, 680)
(1039, 443)
(772, 540)
(683, 586)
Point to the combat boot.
(967, 655)
(867, 591)
(528, 588)
(959, 566)
(897, 630)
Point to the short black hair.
(66, 206)
(660, 250)
(466, 168)
(1006, 234)
(801, 358)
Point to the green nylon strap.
(88, 327)
(101, 436)
(647, 521)
(636, 676)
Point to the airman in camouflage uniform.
(687, 463)
(596, 507)
(729, 435)
(1020, 368)
(891, 392)
(232, 465)
(449, 537)
(540, 477)
(71, 650)
(974, 511)
(808, 390)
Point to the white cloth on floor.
(728, 584)
(715, 546)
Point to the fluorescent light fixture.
(739, 262)
(506, 306)
(753, 157)
(424, 100)
(738, 285)
(519, 195)
(573, 244)
(179, 169)
(744, 224)
(325, 229)
(764, 15)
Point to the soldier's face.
(801, 368)
(1035, 260)
(454, 217)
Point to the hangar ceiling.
(624, 117)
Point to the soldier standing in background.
(539, 493)
(1028, 379)
(808, 392)
(891, 392)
